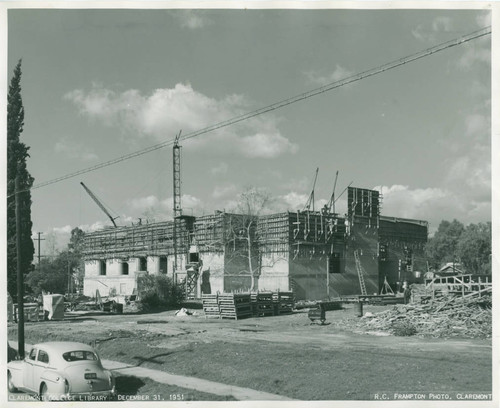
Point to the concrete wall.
(92, 268)
(212, 273)
(274, 272)
(124, 285)
(154, 265)
(114, 267)
(308, 278)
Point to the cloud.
(191, 19)
(432, 204)
(152, 208)
(427, 32)
(220, 169)
(442, 24)
(224, 191)
(484, 19)
(477, 52)
(469, 169)
(266, 145)
(166, 111)
(477, 125)
(74, 150)
(293, 200)
(337, 74)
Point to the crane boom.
(310, 201)
(331, 203)
(91, 194)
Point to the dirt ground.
(286, 355)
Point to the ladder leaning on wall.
(360, 270)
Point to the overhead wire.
(280, 104)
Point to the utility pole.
(39, 239)
(20, 280)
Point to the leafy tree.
(442, 247)
(52, 274)
(75, 247)
(474, 248)
(17, 153)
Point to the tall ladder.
(360, 270)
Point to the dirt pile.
(445, 316)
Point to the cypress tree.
(17, 153)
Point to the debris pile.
(445, 316)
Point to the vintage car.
(62, 371)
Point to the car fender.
(54, 381)
(16, 370)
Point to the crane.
(91, 194)
(310, 201)
(177, 176)
(331, 204)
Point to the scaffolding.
(137, 241)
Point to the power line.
(277, 105)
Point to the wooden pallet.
(211, 305)
(262, 304)
(234, 305)
(284, 302)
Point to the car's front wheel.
(10, 384)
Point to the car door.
(28, 369)
(39, 366)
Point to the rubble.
(444, 316)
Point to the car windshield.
(79, 355)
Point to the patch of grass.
(297, 371)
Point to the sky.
(101, 84)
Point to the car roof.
(63, 346)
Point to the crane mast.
(96, 200)
(176, 152)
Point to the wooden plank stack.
(262, 304)
(211, 305)
(283, 302)
(234, 305)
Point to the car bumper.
(90, 396)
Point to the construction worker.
(406, 292)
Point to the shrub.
(156, 291)
(404, 328)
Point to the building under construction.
(317, 254)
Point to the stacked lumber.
(234, 305)
(210, 305)
(283, 302)
(262, 303)
(445, 316)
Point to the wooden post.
(20, 280)
(328, 277)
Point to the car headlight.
(66, 386)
